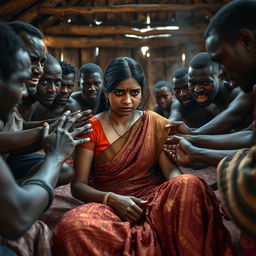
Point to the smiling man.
(22, 204)
(230, 107)
(33, 40)
(185, 108)
(231, 42)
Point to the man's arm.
(237, 112)
(236, 140)
(22, 205)
(176, 111)
(182, 151)
(13, 141)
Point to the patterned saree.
(181, 218)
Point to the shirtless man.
(229, 106)
(22, 146)
(185, 108)
(163, 93)
(33, 40)
(62, 102)
(90, 83)
(22, 205)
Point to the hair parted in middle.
(119, 69)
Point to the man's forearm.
(13, 141)
(210, 156)
(235, 140)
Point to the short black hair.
(202, 60)
(67, 68)
(231, 18)
(91, 68)
(22, 27)
(10, 44)
(180, 72)
(161, 84)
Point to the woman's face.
(125, 98)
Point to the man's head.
(203, 78)
(67, 83)
(231, 41)
(90, 82)
(14, 70)
(163, 93)
(33, 40)
(180, 87)
(50, 83)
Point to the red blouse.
(98, 140)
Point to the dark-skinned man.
(231, 42)
(62, 100)
(21, 205)
(164, 96)
(185, 107)
(90, 83)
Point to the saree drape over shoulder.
(181, 218)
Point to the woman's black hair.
(119, 69)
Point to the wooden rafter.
(107, 30)
(33, 12)
(13, 6)
(130, 8)
(83, 42)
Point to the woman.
(137, 203)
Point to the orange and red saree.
(181, 218)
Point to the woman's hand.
(129, 208)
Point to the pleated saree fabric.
(181, 217)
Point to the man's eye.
(33, 59)
(57, 83)
(43, 82)
(190, 83)
(206, 82)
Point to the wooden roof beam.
(11, 7)
(83, 42)
(115, 30)
(130, 8)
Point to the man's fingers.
(63, 118)
(70, 122)
(81, 141)
(82, 130)
(45, 131)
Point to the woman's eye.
(118, 93)
(135, 93)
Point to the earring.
(140, 105)
(107, 103)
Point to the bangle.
(105, 198)
(42, 184)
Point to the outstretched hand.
(179, 149)
(62, 141)
(129, 208)
(178, 127)
(81, 121)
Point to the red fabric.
(97, 137)
(181, 218)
